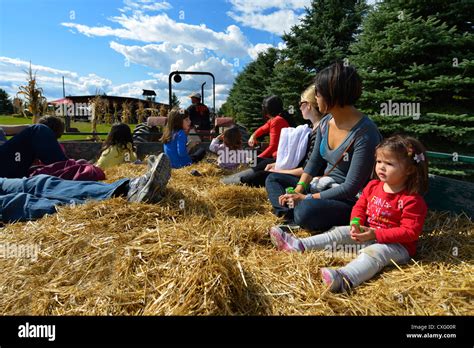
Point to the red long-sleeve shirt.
(274, 127)
(396, 217)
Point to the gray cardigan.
(353, 172)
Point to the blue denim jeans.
(372, 257)
(32, 198)
(35, 142)
(276, 184)
(311, 214)
(257, 175)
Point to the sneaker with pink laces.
(335, 280)
(285, 241)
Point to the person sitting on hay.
(32, 198)
(387, 220)
(345, 141)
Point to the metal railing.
(450, 156)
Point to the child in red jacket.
(391, 214)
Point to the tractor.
(152, 129)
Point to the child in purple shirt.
(230, 151)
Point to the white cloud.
(169, 45)
(277, 22)
(262, 47)
(182, 90)
(261, 5)
(220, 68)
(160, 28)
(164, 57)
(50, 80)
(12, 76)
(258, 48)
(257, 15)
(24, 65)
(134, 89)
(146, 5)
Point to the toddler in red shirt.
(391, 213)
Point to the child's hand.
(252, 141)
(367, 234)
(354, 230)
(221, 137)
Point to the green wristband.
(302, 183)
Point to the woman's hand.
(367, 234)
(270, 167)
(252, 141)
(288, 197)
(221, 137)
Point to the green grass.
(84, 127)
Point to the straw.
(204, 250)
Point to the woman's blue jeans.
(311, 214)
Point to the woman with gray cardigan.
(344, 150)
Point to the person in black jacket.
(199, 113)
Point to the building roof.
(148, 92)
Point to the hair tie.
(419, 157)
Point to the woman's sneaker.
(283, 240)
(335, 280)
(150, 186)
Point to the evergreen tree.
(325, 32)
(288, 81)
(249, 89)
(421, 53)
(406, 54)
(6, 105)
(322, 37)
(175, 101)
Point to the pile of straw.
(204, 250)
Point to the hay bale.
(204, 250)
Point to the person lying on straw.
(32, 198)
(387, 220)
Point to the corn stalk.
(126, 112)
(33, 95)
(115, 118)
(141, 112)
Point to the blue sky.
(123, 46)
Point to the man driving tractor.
(199, 113)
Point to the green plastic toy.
(356, 222)
(290, 203)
